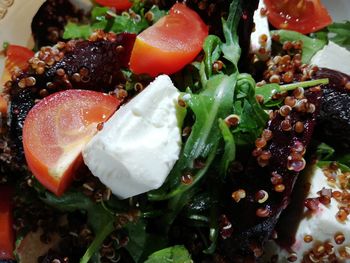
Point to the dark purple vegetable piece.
(333, 123)
(252, 222)
(49, 22)
(98, 64)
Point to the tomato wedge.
(57, 128)
(119, 5)
(170, 44)
(16, 56)
(7, 237)
(304, 16)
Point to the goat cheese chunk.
(260, 39)
(140, 143)
(320, 230)
(333, 56)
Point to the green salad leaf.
(103, 18)
(340, 33)
(310, 45)
(176, 254)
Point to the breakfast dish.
(170, 131)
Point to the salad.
(170, 131)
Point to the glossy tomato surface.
(304, 16)
(16, 56)
(57, 128)
(120, 5)
(170, 44)
(7, 239)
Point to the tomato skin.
(7, 237)
(304, 16)
(119, 5)
(57, 128)
(16, 56)
(170, 44)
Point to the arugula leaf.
(104, 19)
(340, 33)
(100, 220)
(252, 116)
(267, 91)
(141, 243)
(212, 50)
(175, 254)
(310, 45)
(73, 30)
(98, 241)
(213, 103)
(229, 154)
(156, 13)
(231, 49)
(324, 151)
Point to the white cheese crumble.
(140, 143)
(321, 225)
(333, 56)
(260, 39)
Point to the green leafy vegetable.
(310, 45)
(213, 103)
(340, 33)
(156, 13)
(252, 116)
(96, 244)
(98, 218)
(269, 90)
(104, 19)
(176, 254)
(324, 151)
(229, 154)
(73, 30)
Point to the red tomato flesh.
(57, 128)
(119, 5)
(16, 56)
(170, 44)
(304, 16)
(7, 237)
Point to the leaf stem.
(304, 84)
(96, 244)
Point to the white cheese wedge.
(140, 143)
(322, 225)
(260, 39)
(334, 57)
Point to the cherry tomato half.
(7, 238)
(57, 128)
(119, 5)
(304, 16)
(170, 44)
(16, 56)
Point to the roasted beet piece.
(278, 164)
(94, 65)
(48, 23)
(333, 123)
(20, 106)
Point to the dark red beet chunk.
(98, 64)
(333, 123)
(253, 222)
(48, 24)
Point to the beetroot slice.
(249, 230)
